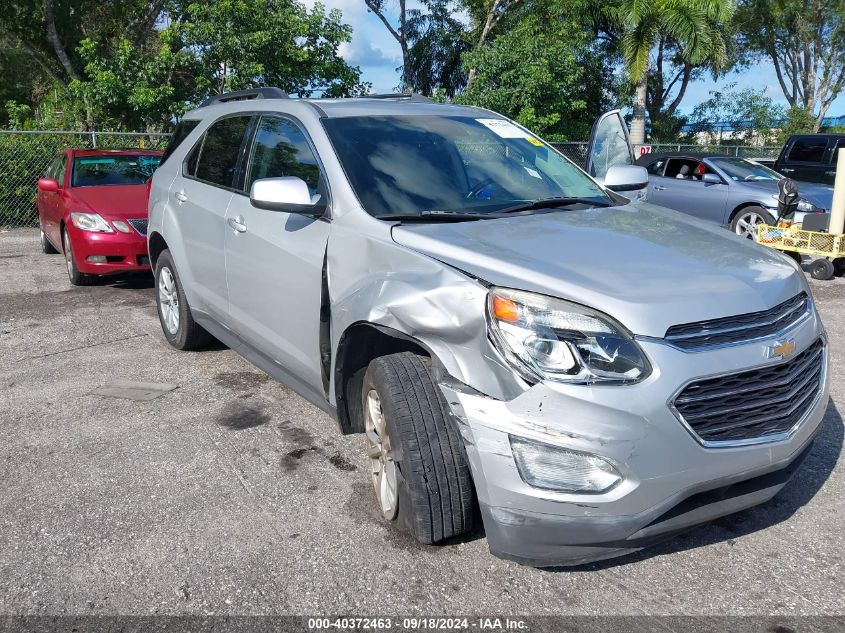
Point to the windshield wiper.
(551, 203)
(436, 216)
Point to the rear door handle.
(237, 224)
(181, 197)
(659, 188)
(832, 172)
(787, 170)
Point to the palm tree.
(695, 26)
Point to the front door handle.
(181, 197)
(237, 224)
(787, 170)
(830, 173)
(659, 188)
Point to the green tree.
(544, 69)
(246, 43)
(437, 40)
(691, 31)
(805, 41)
(753, 117)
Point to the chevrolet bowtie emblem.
(781, 349)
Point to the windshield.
(129, 169)
(410, 165)
(742, 169)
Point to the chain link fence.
(25, 156)
(577, 151)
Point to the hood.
(113, 201)
(820, 195)
(648, 267)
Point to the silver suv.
(508, 334)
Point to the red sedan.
(92, 206)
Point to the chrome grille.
(139, 225)
(741, 328)
(753, 404)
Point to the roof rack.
(245, 95)
(408, 96)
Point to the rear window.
(131, 169)
(179, 134)
(808, 150)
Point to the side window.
(218, 160)
(179, 134)
(193, 158)
(281, 149)
(683, 169)
(53, 168)
(61, 168)
(656, 167)
(808, 150)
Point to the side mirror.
(288, 193)
(626, 178)
(711, 179)
(48, 184)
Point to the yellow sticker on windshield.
(533, 141)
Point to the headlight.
(550, 339)
(90, 222)
(806, 206)
(121, 226)
(555, 468)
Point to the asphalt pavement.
(226, 493)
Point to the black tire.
(822, 268)
(747, 218)
(76, 278)
(188, 334)
(436, 498)
(46, 247)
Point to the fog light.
(121, 226)
(562, 469)
(97, 259)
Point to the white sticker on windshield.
(502, 128)
(533, 173)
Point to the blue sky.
(378, 55)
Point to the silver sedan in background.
(737, 193)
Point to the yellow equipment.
(829, 248)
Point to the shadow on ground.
(807, 481)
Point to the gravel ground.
(232, 495)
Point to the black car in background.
(810, 157)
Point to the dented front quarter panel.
(374, 280)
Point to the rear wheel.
(76, 278)
(174, 313)
(822, 268)
(46, 246)
(747, 220)
(418, 461)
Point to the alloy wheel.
(168, 300)
(68, 254)
(746, 225)
(382, 466)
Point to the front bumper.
(671, 481)
(124, 252)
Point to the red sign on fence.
(645, 149)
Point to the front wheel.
(174, 313)
(418, 461)
(747, 220)
(76, 278)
